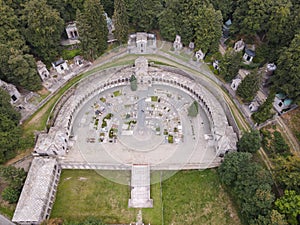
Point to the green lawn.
(196, 197)
(189, 197)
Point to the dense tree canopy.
(17, 66)
(42, 28)
(249, 86)
(264, 111)
(67, 8)
(287, 171)
(250, 183)
(143, 14)
(15, 178)
(289, 204)
(230, 64)
(93, 29)
(249, 142)
(120, 19)
(287, 76)
(10, 132)
(208, 28)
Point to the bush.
(279, 144)
(133, 83)
(70, 54)
(10, 194)
(250, 66)
(193, 109)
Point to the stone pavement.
(140, 187)
(5, 221)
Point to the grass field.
(189, 197)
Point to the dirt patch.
(292, 120)
(22, 160)
(43, 92)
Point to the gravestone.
(177, 45)
(235, 83)
(42, 70)
(199, 55)
(239, 45)
(191, 46)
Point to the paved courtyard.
(148, 126)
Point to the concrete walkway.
(140, 187)
(5, 221)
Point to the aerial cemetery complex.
(139, 117)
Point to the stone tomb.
(177, 45)
(141, 43)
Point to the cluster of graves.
(119, 113)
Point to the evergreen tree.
(120, 19)
(227, 7)
(108, 6)
(249, 86)
(143, 14)
(133, 83)
(193, 109)
(208, 28)
(93, 30)
(15, 178)
(42, 29)
(167, 24)
(264, 111)
(287, 76)
(279, 31)
(67, 8)
(230, 64)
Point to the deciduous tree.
(249, 142)
(42, 29)
(289, 204)
(10, 132)
(287, 171)
(233, 162)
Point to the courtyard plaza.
(159, 113)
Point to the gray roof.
(35, 191)
(250, 52)
(58, 62)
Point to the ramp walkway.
(140, 187)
